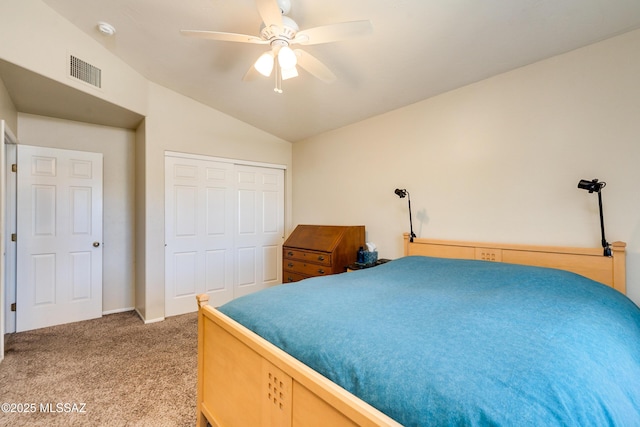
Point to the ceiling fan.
(281, 32)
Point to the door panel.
(270, 219)
(246, 212)
(246, 268)
(271, 266)
(215, 265)
(59, 252)
(44, 274)
(80, 277)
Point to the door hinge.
(14, 168)
(14, 237)
(13, 306)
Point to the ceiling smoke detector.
(106, 29)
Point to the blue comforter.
(433, 341)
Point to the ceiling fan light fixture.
(264, 64)
(287, 58)
(289, 73)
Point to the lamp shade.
(264, 64)
(591, 186)
(400, 193)
(287, 58)
(289, 73)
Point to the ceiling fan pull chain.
(278, 88)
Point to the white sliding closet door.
(224, 225)
(260, 228)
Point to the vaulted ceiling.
(418, 49)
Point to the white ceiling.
(418, 49)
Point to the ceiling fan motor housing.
(287, 32)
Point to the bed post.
(202, 300)
(405, 236)
(619, 266)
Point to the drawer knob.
(289, 253)
(290, 265)
(289, 279)
(320, 258)
(321, 271)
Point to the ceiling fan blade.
(220, 36)
(333, 32)
(314, 66)
(270, 12)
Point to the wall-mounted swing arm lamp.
(594, 186)
(402, 193)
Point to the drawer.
(323, 258)
(289, 277)
(310, 269)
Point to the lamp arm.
(605, 244)
(410, 221)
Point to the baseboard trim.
(146, 322)
(118, 310)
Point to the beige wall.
(117, 147)
(8, 111)
(140, 220)
(498, 160)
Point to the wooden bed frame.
(243, 380)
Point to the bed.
(454, 333)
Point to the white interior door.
(198, 233)
(260, 228)
(59, 231)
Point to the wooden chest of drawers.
(320, 250)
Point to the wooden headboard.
(588, 262)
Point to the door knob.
(96, 244)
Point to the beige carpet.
(113, 371)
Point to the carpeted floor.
(112, 371)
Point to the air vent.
(84, 71)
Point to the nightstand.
(357, 266)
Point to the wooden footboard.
(244, 380)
